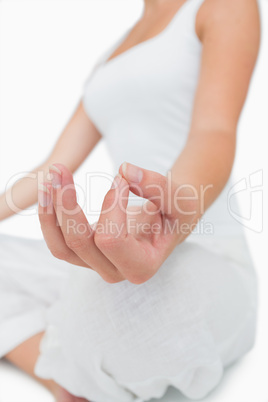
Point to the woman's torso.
(141, 101)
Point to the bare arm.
(230, 33)
(75, 143)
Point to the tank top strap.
(187, 11)
(185, 16)
(195, 6)
(185, 20)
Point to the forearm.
(204, 167)
(77, 140)
(23, 193)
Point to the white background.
(47, 50)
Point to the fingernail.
(116, 181)
(132, 173)
(44, 197)
(56, 176)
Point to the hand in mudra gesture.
(125, 243)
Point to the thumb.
(150, 185)
(171, 198)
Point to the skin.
(230, 34)
(80, 135)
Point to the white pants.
(30, 282)
(124, 342)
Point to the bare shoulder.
(230, 34)
(237, 18)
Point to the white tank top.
(141, 101)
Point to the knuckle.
(105, 241)
(75, 244)
(113, 277)
(109, 279)
(60, 254)
(138, 279)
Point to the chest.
(152, 25)
(155, 80)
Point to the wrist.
(187, 207)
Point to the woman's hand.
(125, 243)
